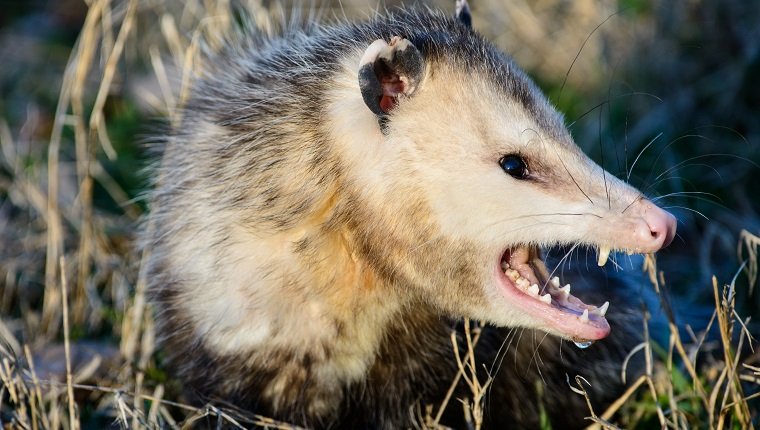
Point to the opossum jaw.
(525, 282)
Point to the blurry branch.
(73, 418)
(751, 243)
(724, 305)
(467, 369)
(599, 422)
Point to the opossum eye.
(515, 166)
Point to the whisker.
(604, 172)
(609, 110)
(680, 178)
(544, 145)
(608, 101)
(551, 275)
(628, 177)
(637, 199)
(723, 127)
(536, 356)
(517, 346)
(614, 262)
(668, 145)
(710, 155)
(502, 351)
(577, 55)
(685, 193)
(564, 166)
(706, 200)
(688, 209)
(691, 165)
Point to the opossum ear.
(463, 14)
(388, 71)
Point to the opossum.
(338, 198)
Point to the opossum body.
(336, 197)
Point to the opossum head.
(469, 172)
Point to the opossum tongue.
(546, 299)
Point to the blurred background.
(663, 93)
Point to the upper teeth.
(604, 253)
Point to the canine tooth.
(555, 281)
(546, 298)
(604, 253)
(533, 290)
(584, 317)
(603, 309)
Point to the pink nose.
(661, 226)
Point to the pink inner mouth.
(526, 281)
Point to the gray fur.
(252, 155)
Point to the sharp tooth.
(584, 317)
(565, 290)
(604, 253)
(533, 290)
(546, 298)
(555, 281)
(603, 310)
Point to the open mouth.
(527, 282)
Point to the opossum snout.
(657, 227)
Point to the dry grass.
(716, 389)
(69, 273)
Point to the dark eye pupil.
(514, 166)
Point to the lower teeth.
(559, 295)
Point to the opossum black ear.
(388, 71)
(463, 14)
